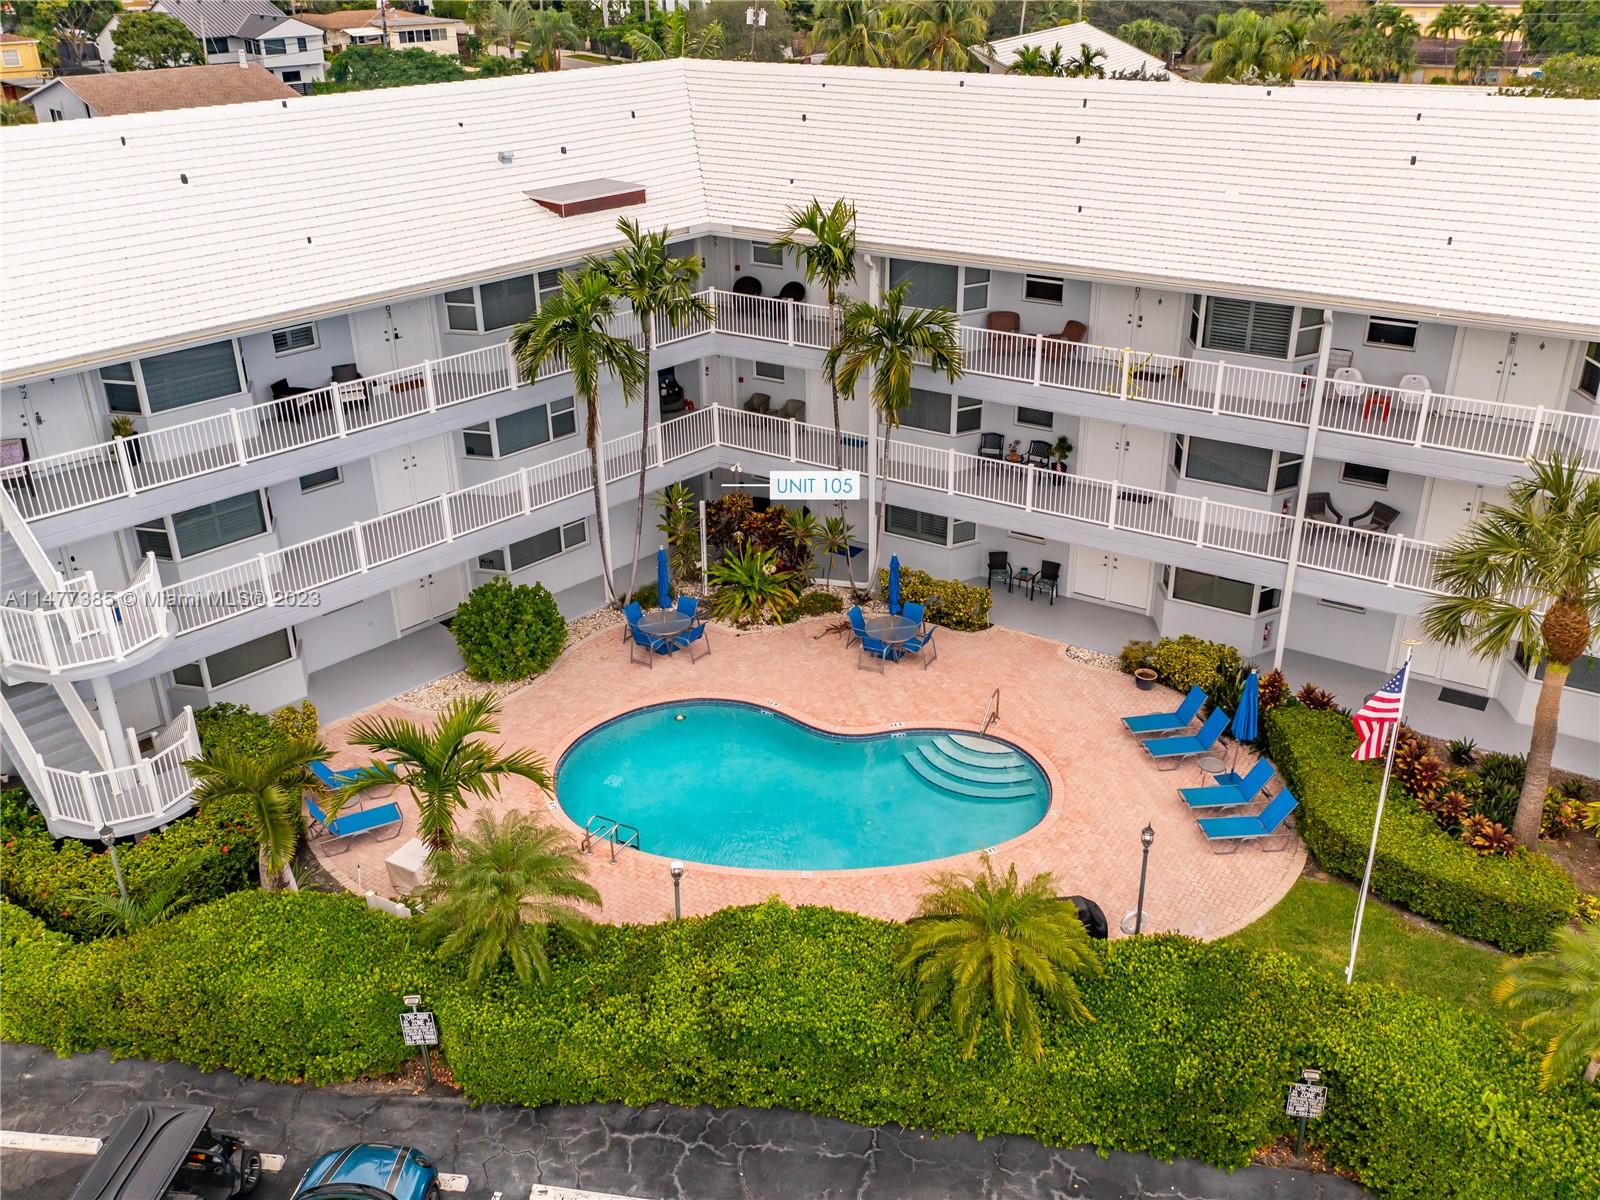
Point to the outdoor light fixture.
(677, 890)
(1147, 837)
(109, 837)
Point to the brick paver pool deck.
(1064, 713)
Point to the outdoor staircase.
(974, 768)
(14, 568)
(50, 730)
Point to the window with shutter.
(294, 339)
(1248, 327)
(219, 524)
(506, 303)
(190, 376)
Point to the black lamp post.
(110, 839)
(1147, 835)
(677, 890)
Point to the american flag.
(1381, 711)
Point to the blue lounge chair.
(1176, 749)
(857, 623)
(350, 824)
(1230, 795)
(334, 780)
(1230, 831)
(922, 644)
(1169, 722)
(870, 646)
(695, 635)
(638, 638)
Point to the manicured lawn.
(1313, 923)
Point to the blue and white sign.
(816, 485)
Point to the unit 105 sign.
(816, 485)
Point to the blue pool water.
(741, 786)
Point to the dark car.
(169, 1152)
(370, 1171)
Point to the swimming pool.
(742, 786)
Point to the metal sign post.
(420, 1029)
(1307, 1099)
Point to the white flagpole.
(1377, 820)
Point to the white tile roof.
(1299, 193)
(1119, 56)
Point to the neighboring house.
(1119, 56)
(72, 97)
(287, 46)
(20, 69)
(1425, 11)
(406, 30)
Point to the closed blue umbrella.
(894, 583)
(1246, 718)
(663, 579)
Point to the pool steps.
(972, 767)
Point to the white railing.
(80, 627)
(126, 467)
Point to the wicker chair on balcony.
(1071, 334)
(991, 445)
(1319, 507)
(1377, 519)
(793, 290)
(759, 402)
(747, 285)
(1003, 321)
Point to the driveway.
(661, 1152)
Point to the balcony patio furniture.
(354, 396)
(695, 635)
(1003, 321)
(352, 824)
(1377, 519)
(1167, 722)
(1039, 453)
(922, 646)
(1048, 580)
(999, 565)
(673, 400)
(747, 285)
(1319, 507)
(1067, 340)
(793, 410)
(991, 445)
(1230, 795)
(1231, 831)
(793, 290)
(1413, 387)
(1347, 383)
(759, 402)
(1175, 749)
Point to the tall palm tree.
(549, 30)
(441, 767)
(852, 33)
(887, 340)
(498, 892)
(15, 112)
(1524, 576)
(1450, 20)
(1482, 20)
(1476, 57)
(823, 241)
(573, 328)
(990, 942)
(1559, 992)
(1383, 43)
(511, 22)
(1153, 37)
(677, 42)
(937, 33)
(1244, 44)
(270, 784)
(659, 288)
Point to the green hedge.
(508, 630)
(1513, 902)
(1190, 1054)
(950, 603)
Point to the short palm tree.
(442, 767)
(1152, 36)
(15, 112)
(1559, 993)
(1477, 57)
(116, 913)
(1031, 60)
(936, 35)
(1085, 63)
(852, 33)
(834, 541)
(573, 329)
(887, 340)
(1315, 49)
(676, 41)
(510, 22)
(1524, 577)
(270, 783)
(660, 288)
(497, 894)
(802, 531)
(991, 943)
(549, 30)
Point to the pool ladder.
(604, 829)
(991, 713)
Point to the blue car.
(370, 1171)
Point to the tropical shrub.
(508, 630)
(749, 586)
(647, 596)
(237, 729)
(1416, 767)
(1561, 815)
(1311, 696)
(1514, 901)
(818, 604)
(297, 722)
(1486, 836)
(1183, 662)
(1274, 687)
(1134, 654)
(1448, 810)
(1463, 751)
(949, 602)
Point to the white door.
(392, 336)
(409, 474)
(411, 604)
(1091, 572)
(1451, 505)
(1140, 317)
(431, 598)
(1538, 369)
(54, 415)
(1453, 665)
(1144, 456)
(1481, 367)
(1129, 582)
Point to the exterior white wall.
(1360, 639)
(1519, 693)
(311, 368)
(1386, 364)
(1005, 295)
(61, 99)
(332, 637)
(1403, 492)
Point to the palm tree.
(1560, 993)
(1153, 37)
(888, 340)
(573, 328)
(834, 542)
(677, 43)
(659, 288)
(1483, 20)
(1244, 43)
(498, 892)
(270, 783)
(1085, 63)
(15, 112)
(1031, 60)
(1447, 22)
(116, 913)
(549, 29)
(511, 23)
(936, 34)
(1316, 54)
(441, 767)
(1477, 56)
(1524, 576)
(852, 33)
(1383, 43)
(990, 942)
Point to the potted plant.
(1061, 451)
(1014, 451)
(122, 427)
(1144, 678)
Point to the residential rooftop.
(168, 88)
(1071, 38)
(1372, 200)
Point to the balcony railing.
(79, 627)
(131, 466)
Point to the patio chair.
(793, 410)
(334, 780)
(1377, 519)
(747, 285)
(673, 400)
(869, 645)
(793, 290)
(1167, 722)
(1319, 507)
(1230, 795)
(1347, 383)
(923, 642)
(1039, 453)
(695, 635)
(1048, 579)
(1071, 333)
(1175, 749)
(759, 402)
(991, 445)
(999, 565)
(352, 824)
(912, 611)
(857, 624)
(1003, 321)
(1413, 387)
(631, 613)
(652, 646)
(1226, 833)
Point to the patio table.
(665, 624)
(892, 631)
